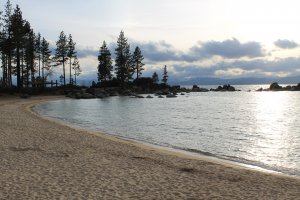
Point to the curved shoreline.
(46, 159)
(164, 149)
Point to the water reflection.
(262, 129)
(273, 123)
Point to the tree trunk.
(43, 74)
(9, 70)
(70, 70)
(18, 68)
(64, 71)
(137, 72)
(4, 70)
(22, 70)
(39, 66)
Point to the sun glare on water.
(273, 118)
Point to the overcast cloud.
(286, 44)
(236, 59)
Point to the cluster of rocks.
(224, 88)
(170, 92)
(276, 87)
(109, 92)
(198, 89)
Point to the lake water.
(255, 128)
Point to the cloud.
(235, 71)
(238, 69)
(162, 51)
(229, 58)
(286, 44)
(231, 48)
(83, 52)
(158, 51)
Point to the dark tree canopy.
(123, 64)
(165, 75)
(46, 57)
(72, 54)
(17, 29)
(61, 53)
(25, 56)
(105, 63)
(38, 51)
(155, 78)
(137, 62)
(77, 69)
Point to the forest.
(27, 60)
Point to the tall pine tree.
(105, 63)
(137, 62)
(72, 54)
(165, 75)
(7, 47)
(30, 58)
(123, 60)
(17, 28)
(155, 78)
(61, 53)
(77, 69)
(46, 58)
(38, 51)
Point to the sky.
(194, 38)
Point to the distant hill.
(237, 81)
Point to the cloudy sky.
(194, 38)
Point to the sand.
(42, 159)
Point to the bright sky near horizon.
(210, 38)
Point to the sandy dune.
(41, 159)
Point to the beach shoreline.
(148, 167)
(161, 149)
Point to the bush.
(144, 81)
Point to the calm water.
(256, 128)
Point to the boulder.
(195, 87)
(275, 86)
(87, 96)
(225, 88)
(101, 95)
(171, 96)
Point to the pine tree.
(7, 45)
(137, 62)
(25, 51)
(105, 63)
(30, 58)
(46, 58)
(123, 60)
(71, 54)
(155, 78)
(38, 51)
(165, 75)
(77, 69)
(61, 53)
(17, 28)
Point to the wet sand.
(42, 159)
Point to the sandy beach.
(42, 159)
